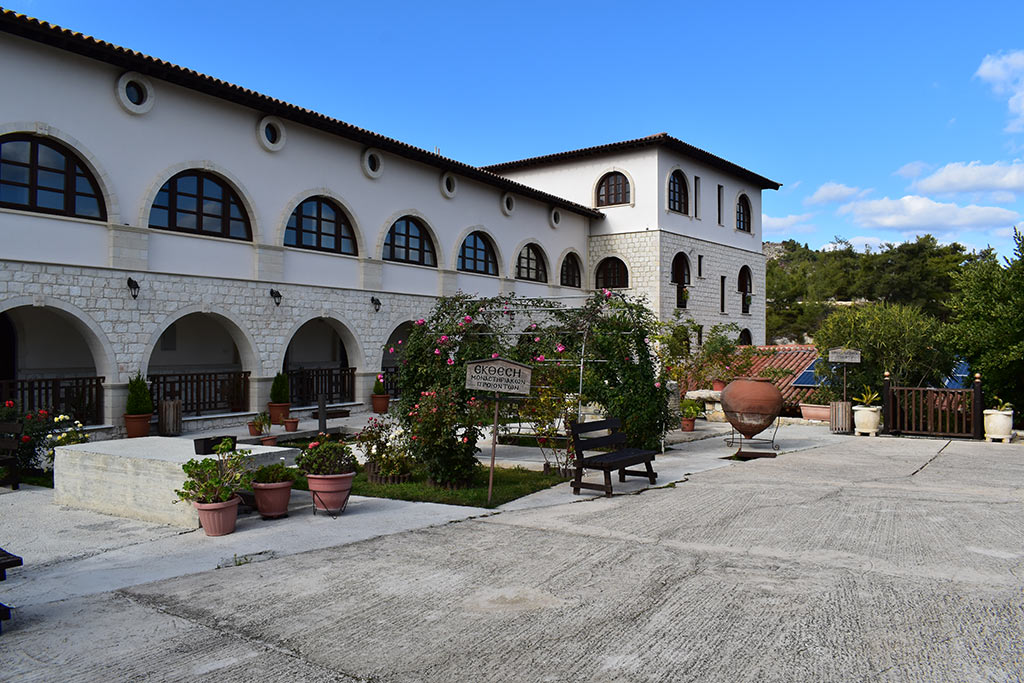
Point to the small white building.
(156, 220)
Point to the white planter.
(866, 419)
(998, 424)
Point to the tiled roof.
(87, 46)
(663, 139)
(793, 357)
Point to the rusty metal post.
(886, 404)
(977, 410)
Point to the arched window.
(318, 223)
(42, 175)
(408, 242)
(530, 265)
(612, 274)
(681, 278)
(200, 202)
(745, 284)
(613, 189)
(745, 338)
(477, 255)
(743, 213)
(570, 276)
(678, 196)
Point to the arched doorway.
(46, 362)
(392, 357)
(745, 338)
(746, 287)
(316, 363)
(197, 359)
(681, 278)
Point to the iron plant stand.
(737, 439)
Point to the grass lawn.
(509, 484)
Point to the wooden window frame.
(342, 227)
(74, 170)
(613, 189)
(530, 264)
(571, 274)
(743, 214)
(612, 273)
(425, 254)
(678, 193)
(476, 255)
(228, 199)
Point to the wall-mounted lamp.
(376, 304)
(276, 296)
(133, 288)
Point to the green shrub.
(272, 474)
(326, 457)
(279, 389)
(215, 480)
(378, 386)
(691, 408)
(140, 402)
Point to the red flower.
(28, 416)
(9, 404)
(43, 412)
(26, 438)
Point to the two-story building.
(156, 220)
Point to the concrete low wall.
(136, 478)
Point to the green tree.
(987, 322)
(902, 340)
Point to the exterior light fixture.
(376, 304)
(276, 296)
(133, 288)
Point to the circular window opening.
(373, 161)
(272, 133)
(449, 184)
(556, 218)
(509, 203)
(135, 92)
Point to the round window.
(555, 218)
(134, 93)
(449, 185)
(373, 163)
(508, 204)
(270, 133)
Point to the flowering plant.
(443, 431)
(215, 480)
(69, 432)
(41, 433)
(378, 386)
(323, 457)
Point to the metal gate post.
(977, 409)
(886, 405)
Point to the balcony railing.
(306, 384)
(391, 382)
(79, 397)
(203, 392)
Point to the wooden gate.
(933, 412)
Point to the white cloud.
(913, 212)
(859, 243)
(1005, 73)
(831, 192)
(913, 169)
(786, 225)
(974, 177)
(1002, 197)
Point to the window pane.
(348, 246)
(213, 207)
(13, 194)
(161, 198)
(18, 174)
(158, 217)
(327, 212)
(49, 179)
(49, 200)
(327, 241)
(186, 203)
(289, 235)
(239, 230)
(87, 206)
(83, 185)
(185, 220)
(16, 150)
(211, 189)
(309, 239)
(212, 224)
(187, 184)
(236, 212)
(51, 158)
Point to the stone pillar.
(371, 274)
(115, 398)
(128, 248)
(364, 385)
(259, 393)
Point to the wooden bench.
(619, 458)
(9, 443)
(7, 561)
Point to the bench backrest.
(9, 442)
(616, 439)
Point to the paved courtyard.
(847, 559)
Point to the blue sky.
(882, 120)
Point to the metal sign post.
(502, 377)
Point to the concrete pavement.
(843, 559)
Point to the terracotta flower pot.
(751, 404)
(380, 403)
(811, 411)
(717, 385)
(136, 425)
(291, 424)
(330, 491)
(278, 412)
(268, 440)
(218, 519)
(272, 499)
(686, 423)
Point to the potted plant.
(279, 405)
(291, 424)
(689, 410)
(999, 421)
(387, 461)
(867, 415)
(138, 410)
(380, 397)
(272, 488)
(261, 424)
(329, 467)
(210, 486)
(817, 406)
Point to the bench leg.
(607, 484)
(650, 472)
(622, 474)
(576, 481)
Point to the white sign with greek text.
(844, 355)
(498, 374)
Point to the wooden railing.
(933, 412)
(306, 384)
(203, 392)
(79, 397)
(391, 382)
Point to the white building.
(262, 236)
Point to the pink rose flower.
(468, 318)
(451, 361)
(657, 385)
(391, 350)
(540, 358)
(437, 352)
(494, 355)
(560, 348)
(536, 339)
